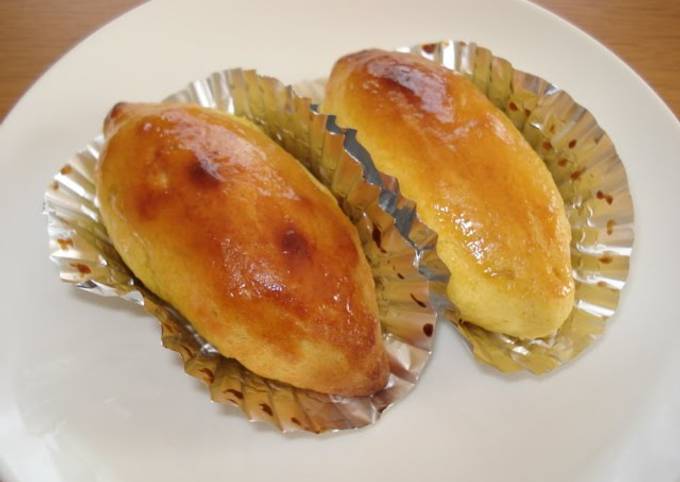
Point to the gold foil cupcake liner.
(593, 184)
(410, 279)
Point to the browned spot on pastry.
(607, 197)
(65, 243)
(562, 162)
(606, 259)
(429, 48)
(428, 329)
(610, 226)
(572, 143)
(552, 129)
(377, 238)
(547, 145)
(296, 421)
(235, 392)
(294, 244)
(400, 276)
(82, 268)
(55, 185)
(209, 376)
(204, 173)
(67, 169)
(418, 302)
(576, 174)
(602, 284)
(117, 110)
(527, 112)
(148, 202)
(413, 86)
(512, 106)
(266, 409)
(232, 401)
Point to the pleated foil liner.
(591, 179)
(410, 279)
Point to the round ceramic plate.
(75, 407)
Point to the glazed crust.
(226, 226)
(502, 228)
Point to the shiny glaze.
(472, 169)
(268, 241)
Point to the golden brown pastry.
(501, 222)
(218, 220)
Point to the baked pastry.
(226, 226)
(502, 228)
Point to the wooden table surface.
(35, 33)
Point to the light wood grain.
(35, 33)
(644, 33)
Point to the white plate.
(73, 406)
